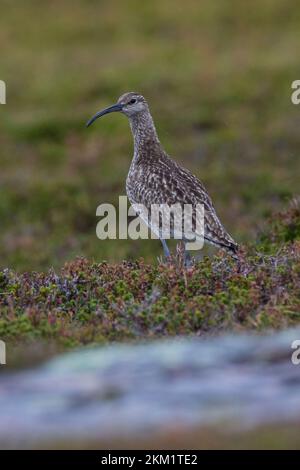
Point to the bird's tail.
(231, 248)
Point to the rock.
(168, 392)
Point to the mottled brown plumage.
(154, 178)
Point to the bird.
(155, 178)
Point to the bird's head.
(130, 104)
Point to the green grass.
(218, 79)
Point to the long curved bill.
(111, 109)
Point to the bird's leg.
(187, 257)
(165, 247)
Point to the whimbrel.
(154, 178)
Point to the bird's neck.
(144, 135)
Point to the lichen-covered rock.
(164, 393)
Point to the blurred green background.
(217, 75)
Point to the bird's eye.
(132, 101)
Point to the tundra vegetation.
(88, 303)
(218, 79)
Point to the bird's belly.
(168, 224)
(147, 199)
